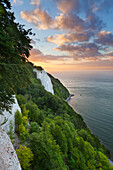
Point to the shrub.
(25, 155)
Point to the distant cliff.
(45, 80)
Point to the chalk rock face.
(8, 157)
(9, 116)
(45, 80)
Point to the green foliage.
(34, 111)
(34, 127)
(14, 51)
(103, 161)
(21, 99)
(25, 121)
(21, 126)
(18, 119)
(59, 89)
(46, 152)
(25, 156)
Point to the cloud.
(68, 18)
(71, 37)
(69, 22)
(94, 23)
(83, 51)
(37, 56)
(110, 55)
(35, 2)
(104, 38)
(82, 26)
(40, 18)
(17, 1)
(67, 6)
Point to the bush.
(34, 127)
(18, 119)
(25, 155)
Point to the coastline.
(111, 154)
(68, 99)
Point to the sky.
(69, 34)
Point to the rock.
(10, 116)
(8, 157)
(45, 80)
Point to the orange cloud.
(67, 6)
(60, 39)
(35, 2)
(17, 1)
(37, 56)
(42, 20)
(39, 18)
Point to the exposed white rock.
(111, 162)
(8, 157)
(10, 116)
(45, 80)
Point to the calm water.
(93, 99)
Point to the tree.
(60, 138)
(34, 127)
(14, 51)
(25, 155)
(47, 154)
(34, 111)
(18, 119)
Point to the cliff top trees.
(14, 51)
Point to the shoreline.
(69, 98)
(111, 154)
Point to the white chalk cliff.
(8, 157)
(45, 80)
(10, 116)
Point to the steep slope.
(59, 89)
(8, 157)
(10, 117)
(58, 136)
(45, 80)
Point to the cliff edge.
(8, 157)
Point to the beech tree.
(14, 52)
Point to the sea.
(93, 99)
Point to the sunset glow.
(70, 34)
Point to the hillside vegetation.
(59, 89)
(57, 135)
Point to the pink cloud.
(35, 2)
(17, 1)
(37, 56)
(67, 6)
(38, 17)
(105, 38)
(83, 51)
(70, 37)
